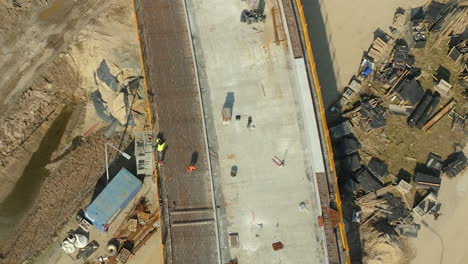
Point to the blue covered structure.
(113, 199)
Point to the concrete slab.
(261, 203)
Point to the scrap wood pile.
(138, 226)
(388, 70)
(379, 200)
(452, 24)
(453, 35)
(369, 114)
(388, 82)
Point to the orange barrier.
(331, 160)
(150, 123)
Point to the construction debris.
(78, 241)
(377, 52)
(132, 225)
(450, 105)
(434, 163)
(255, 14)
(88, 250)
(404, 187)
(420, 109)
(277, 246)
(443, 88)
(138, 226)
(378, 169)
(372, 113)
(400, 56)
(410, 90)
(427, 205)
(409, 83)
(123, 255)
(458, 121)
(435, 11)
(410, 230)
(403, 110)
(351, 163)
(418, 27)
(367, 65)
(340, 130)
(366, 181)
(427, 113)
(427, 181)
(455, 164)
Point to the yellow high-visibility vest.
(161, 147)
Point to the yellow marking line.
(325, 127)
(150, 125)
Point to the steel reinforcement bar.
(149, 114)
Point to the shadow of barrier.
(310, 62)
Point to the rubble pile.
(391, 82)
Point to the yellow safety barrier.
(331, 160)
(150, 122)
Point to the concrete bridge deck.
(197, 55)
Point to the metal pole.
(107, 163)
(127, 156)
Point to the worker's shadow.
(194, 158)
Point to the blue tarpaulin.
(113, 199)
(367, 71)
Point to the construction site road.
(190, 234)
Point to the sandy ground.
(48, 60)
(441, 241)
(349, 31)
(350, 26)
(55, 72)
(396, 141)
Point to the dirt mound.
(65, 190)
(25, 122)
(36, 104)
(49, 60)
(382, 247)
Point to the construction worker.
(161, 146)
(191, 168)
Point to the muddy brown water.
(20, 200)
